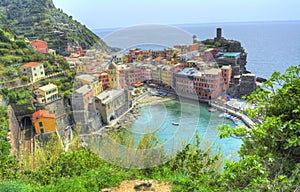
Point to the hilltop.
(40, 19)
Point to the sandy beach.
(150, 100)
(135, 112)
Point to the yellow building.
(156, 73)
(113, 75)
(166, 76)
(47, 93)
(94, 81)
(43, 122)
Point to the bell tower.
(113, 75)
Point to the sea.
(271, 46)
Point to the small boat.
(175, 123)
(212, 109)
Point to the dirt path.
(141, 185)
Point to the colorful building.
(34, 70)
(104, 79)
(226, 73)
(209, 83)
(205, 84)
(40, 46)
(43, 122)
(156, 73)
(47, 93)
(93, 81)
(166, 75)
(113, 75)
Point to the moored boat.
(175, 123)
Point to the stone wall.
(61, 111)
(247, 84)
(14, 129)
(243, 85)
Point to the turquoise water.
(192, 117)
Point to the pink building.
(207, 84)
(183, 83)
(145, 72)
(175, 69)
(122, 78)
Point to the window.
(42, 73)
(34, 68)
(35, 74)
(41, 67)
(41, 124)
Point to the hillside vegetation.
(39, 19)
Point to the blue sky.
(124, 13)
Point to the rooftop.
(48, 87)
(188, 71)
(86, 77)
(108, 96)
(231, 54)
(158, 58)
(31, 64)
(212, 71)
(226, 67)
(83, 90)
(41, 113)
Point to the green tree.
(270, 155)
(25, 78)
(8, 164)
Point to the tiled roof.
(41, 113)
(86, 77)
(31, 64)
(158, 58)
(39, 43)
(40, 46)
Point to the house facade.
(43, 122)
(34, 70)
(204, 84)
(47, 93)
(111, 104)
(83, 105)
(94, 81)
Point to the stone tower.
(219, 33)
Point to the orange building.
(104, 79)
(226, 73)
(40, 46)
(43, 122)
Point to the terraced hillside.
(40, 19)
